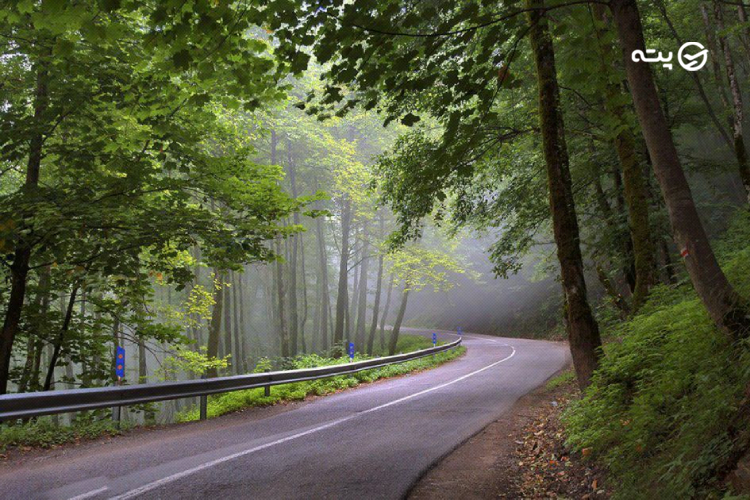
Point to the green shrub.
(659, 406)
(44, 433)
(235, 401)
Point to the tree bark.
(583, 331)
(343, 287)
(724, 305)
(239, 356)
(323, 284)
(214, 332)
(19, 269)
(386, 310)
(362, 300)
(293, 307)
(60, 340)
(740, 151)
(378, 291)
(634, 184)
(399, 319)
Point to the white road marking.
(89, 494)
(174, 477)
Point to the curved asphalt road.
(371, 442)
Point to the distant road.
(371, 442)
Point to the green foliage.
(238, 400)
(560, 380)
(659, 407)
(184, 360)
(44, 433)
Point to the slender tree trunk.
(293, 307)
(19, 269)
(239, 356)
(343, 287)
(634, 184)
(737, 107)
(227, 333)
(351, 312)
(283, 332)
(60, 340)
(724, 305)
(243, 325)
(386, 310)
(362, 301)
(323, 284)
(399, 320)
(378, 290)
(303, 320)
(583, 331)
(214, 331)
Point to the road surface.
(371, 442)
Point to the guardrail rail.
(33, 404)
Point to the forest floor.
(520, 455)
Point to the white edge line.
(174, 477)
(89, 494)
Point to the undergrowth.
(659, 407)
(238, 400)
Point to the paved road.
(371, 442)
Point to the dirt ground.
(521, 455)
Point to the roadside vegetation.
(46, 432)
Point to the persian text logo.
(689, 62)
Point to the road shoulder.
(520, 455)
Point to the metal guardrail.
(33, 404)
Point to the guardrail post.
(203, 404)
(267, 389)
(116, 410)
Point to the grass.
(563, 379)
(239, 400)
(45, 433)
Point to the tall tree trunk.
(343, 287)
(583, 331)
(303, 320)
(323, 284)
(351, 312)
(60, 340)
(281, 305)
(293, 308)
(239, 356)
(243, 325)
(737, 108)
(227, 337)
(362, 301)
(214, 331)
(386, 310)
(378, 290)
(19, 269)
(634, 183)
(399, 319)
(724, 305)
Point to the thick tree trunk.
(583, 331)
(399, 320)
(362, 300)
(214, 331)
(19, 269)
(343, 287)
(634, 183)
(386, 310)
(740, 151)
(724, 305)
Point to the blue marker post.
(120, 373)
(460, 331)
(351, 351)
(434, 339)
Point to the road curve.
(371, 442)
